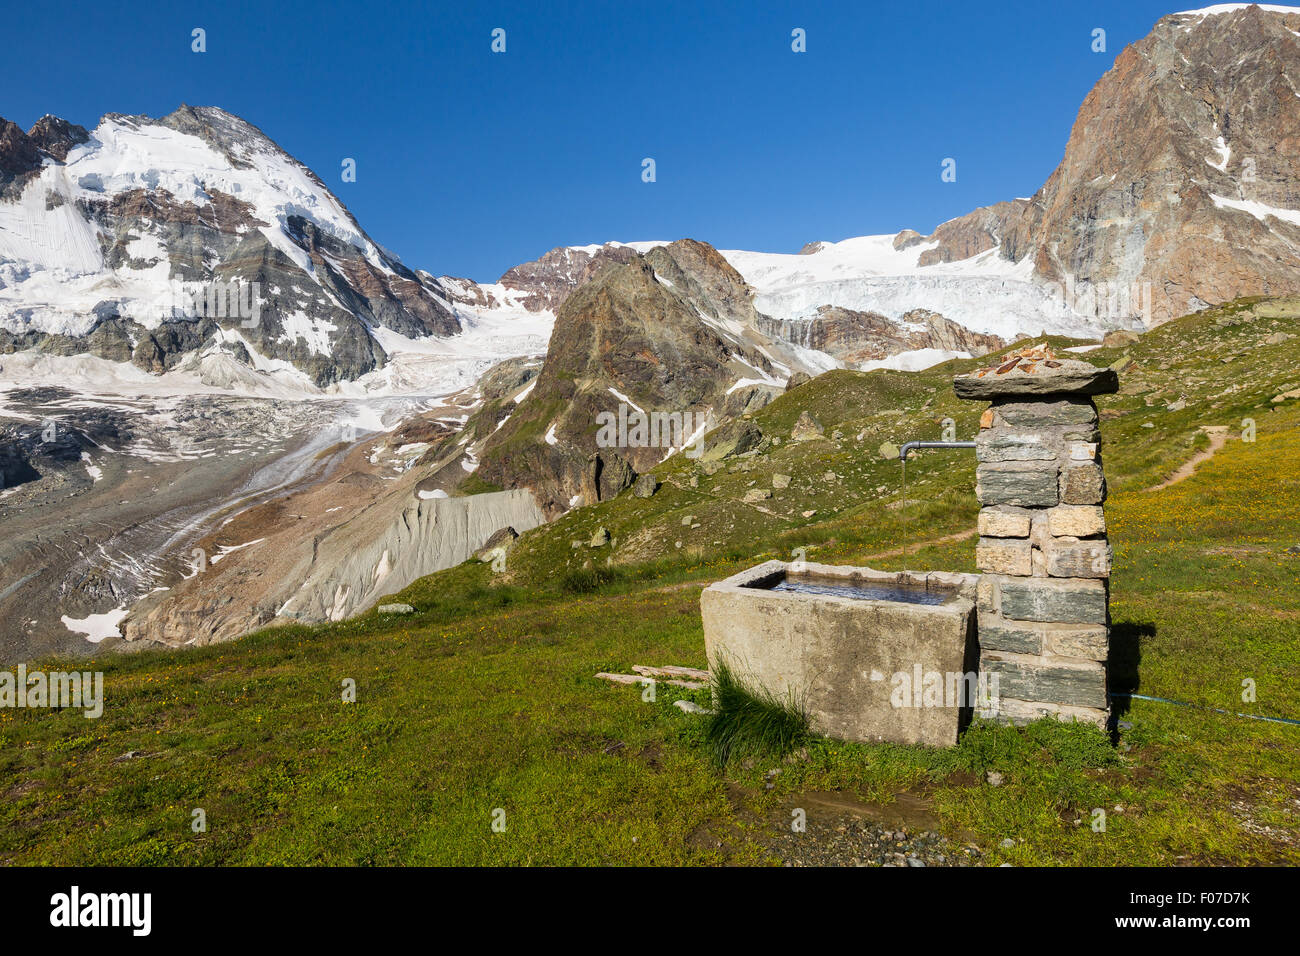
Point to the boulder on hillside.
(1119, 337)
(750, 399)
(806, 428)
(499, 541)
(645, 486)
(734, 438)
(607, 475)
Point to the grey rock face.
(1158, 143)
(546, 282)
(671, 331)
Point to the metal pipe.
(909, 446)
(902, 458)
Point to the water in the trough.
(833, 587)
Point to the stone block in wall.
(1086, 643)
(1062, 411)
(1003, 523)
(1082, 484)
(1009, 636)
(1009, 710)
(1000, 444)
(1075, 521)
(1077, 685)
(1004, 556)
(1078, 558)
(1066, 601)
(986, 595)
(998, 636)
(1025, 484)
(1084, 433)
(1083, 450)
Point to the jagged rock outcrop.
(999, 226)
(546, 282)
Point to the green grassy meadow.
(482, 706)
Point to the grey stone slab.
(1051, 599)
(1070, 377)
(1016, 483)
(1075, 686)
(1079, 412)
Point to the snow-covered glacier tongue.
(984, 293)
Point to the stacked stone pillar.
(1043, 598)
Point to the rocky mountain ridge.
(630, 342)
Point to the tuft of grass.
(752, 721)
(587, 580)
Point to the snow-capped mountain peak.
(107, 236)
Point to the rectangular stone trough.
(871, 655)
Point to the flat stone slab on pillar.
(1035, 372)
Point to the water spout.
(912, 445)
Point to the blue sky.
(469, 162)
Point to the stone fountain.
(1044, 611)
(909, 657)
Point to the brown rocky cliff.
(855, 337)
(635, 330)
(1131, 207)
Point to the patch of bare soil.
(1218, 438)
(823, 828)
(919, 545)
